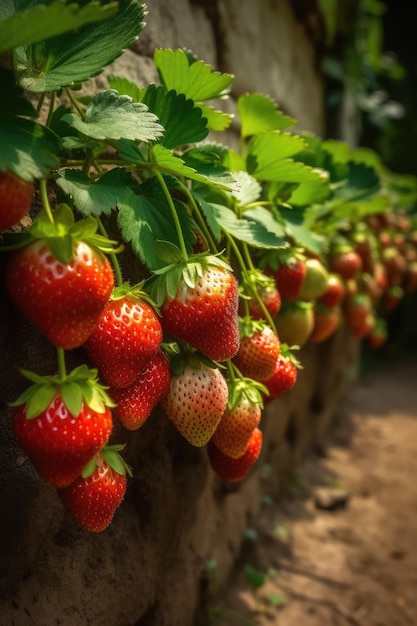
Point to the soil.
(354, 563)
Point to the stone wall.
(150, 567)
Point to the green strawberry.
(127, 335)
(294, 323)
(315, 282)
(61, 424)
(95, 495)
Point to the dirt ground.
(356, 564)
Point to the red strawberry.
(271, 299)
(335, 292)
(258, 351)
(315, 281)
(234, 470)
(56, 427)
(295, 322)
(357, 308)
(203, 308)
(127, 335)
(242, 415)
(135, 403)
(196, 401)
(289, 275)
(344, 260)
(363, 329)
(63, 298)
(16, 198)
(95, 496)
(326, 322)
(282, 380)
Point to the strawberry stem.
(62, 370)
(174, 214)
(112, 255)
(199, 219)
(45, 200)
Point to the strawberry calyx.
(245, 387)
(136, 292)
(63, 232)
(164, 281)
(109, 454)
(180, 354)
(286, 256)
(81, 386)
(248, 326)
(287, 352)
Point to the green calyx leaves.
(62, 232)
(243, 387)
(112, 457)
(79, 387)
(165, 282)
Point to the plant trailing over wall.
(243, 255)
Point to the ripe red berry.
(15, 199)
(234, 470)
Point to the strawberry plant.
(175, 266)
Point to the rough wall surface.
(149, 567)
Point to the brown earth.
(356, 564)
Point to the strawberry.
(16, 198)
(294, 323)
(61, 283)
(263, 297)
(392, 297)
(96, 494)
(284, 377)
(365, 327)
(242, 415)
(345, 261)
(135, 403)
(234, 470)
(201, 307)
(258, 351)
(315, 281)
(61, 424)
(289, 273)
(378, 335)
(335, 291)
(126, 337)
(357, 307)
(196, 401)
(326, 322)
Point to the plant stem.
(112, 255)
(45, 200)
(174, 213)
(75, 103)
(199, 219)
(62, 371)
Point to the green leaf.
(251, 228)
(72, 397)
(313, 191)
(77, 55)
(259, 114)
(362, 183)
(181, 119)
(146, 218)
(255, 578)
(217, 121)
(266, 153)
(174, 165)
(249, 189)
(206, 161)
(110, 116)
(297, 230)
(28, 149)
(96, 197)
(197, 80)
(35, 24)
(40, 398)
